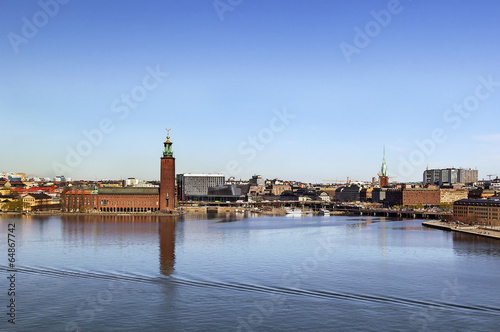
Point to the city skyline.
(296, 90)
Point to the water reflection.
(166, 232)
(125, 229)
(475, 245)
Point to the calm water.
(224, 273)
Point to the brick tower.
(167, 177)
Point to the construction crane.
(337, 180)
(332, 181)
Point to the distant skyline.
(298, 90)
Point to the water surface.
(227, 273)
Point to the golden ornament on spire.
(168, 135)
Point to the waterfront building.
(412, 196)
(39, 201)
(111, 197)
(194, 187)
(129, 199)
(477, 211)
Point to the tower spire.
(383, 178)
(383, 169)
(167, 146)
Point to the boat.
(294, 212)
(324, 212)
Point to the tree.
(445, 206)
(17, 205)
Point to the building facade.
(191, 186)
(111, 200)
(128, 199)
(278, 189)
(453, 195)
(450, 176)
(412, 196)
(477, 211)
(351, 193)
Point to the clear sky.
(295, 89)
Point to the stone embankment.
(487, 231)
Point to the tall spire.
(383, 169)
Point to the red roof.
(48, 190)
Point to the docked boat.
(294, 212)
(324, 212)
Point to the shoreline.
(467, 229)
(60, 213)
(192, 211)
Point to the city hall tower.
(167, 177)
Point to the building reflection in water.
(475, 245)
(166, 230)
(126, 229)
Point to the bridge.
(315, 206)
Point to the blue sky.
(249, 87)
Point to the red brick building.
(477, 211)
(111, 200)
(413, 196)
(129, 199)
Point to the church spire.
(383, 169)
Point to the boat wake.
(242, 287)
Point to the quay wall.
(474, 230)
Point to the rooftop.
(476, 202)
(129, 191)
